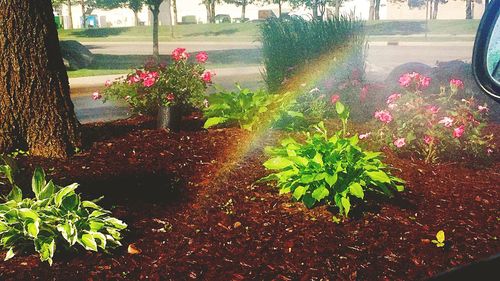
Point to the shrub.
(55, 217)
(181, 83)
(433, 125)
(330, 169)
(289, 44)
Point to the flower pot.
(169, 117)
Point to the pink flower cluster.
(207, 76)
(422, 82)
(384, 116)
(202, 57)
(148, 78)
(334, 99)
(456, 84)
(180, 54)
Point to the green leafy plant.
(330, 169)
(57, 216)
(440, 238)
(242, 108)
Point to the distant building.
(389, 10)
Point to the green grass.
(121, 64)
(249, 31)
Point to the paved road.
(382, 58)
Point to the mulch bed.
(194, 210)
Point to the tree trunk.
(243, 8)
(279, 8)
(209, 12)
(468, 9)
(84, 16)
(136, 18)
(337, 8)
(70, 14)
(315, 10)
(435, 10)
(377, 10)
(212, 11)
(155, 10)
(36, 112)
(174, 8)
(371, 13)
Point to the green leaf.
(68, 231)
(379, 176)
(16, 194)
(100, 238)
(33, 228)
(346, 204)
(331, 179)
(308, 200)
(47, 191)
(357, 190)
(65, 191)
(339, 107)
(213, 121)
(7, 171)
(320, 193)
(277, 163)
(90, 205)
(10, 254)
(38, 181)
(299, 192)
(28, 213)
(88, 242)
(116, 223)
(96, 225)
(302, 161)
(318, 158)
(71, 202)
(400, 188)
(3, 227)
(46, 247)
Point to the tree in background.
(174, 9)
(57, 4)
(279, 2)
(210, 6)
(469, 14)
(241, 3)
(154, 7)
(36, 112)
(318, 7)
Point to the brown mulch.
(194, 210)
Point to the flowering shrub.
(433, 125)
(331, 169)
(181, 83)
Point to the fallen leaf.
(133, 250)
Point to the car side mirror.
(486, 57)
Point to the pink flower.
(108, 83)
(364, 136)
(424, 82)
(446, 121)
(483, 108)
(202, 57)
(405, 80)
(334, 99)
(149, 81)
(459, 131)
(179, 54)
(399, 142)
(133, 79)
(428, 139)
(170, 97)
(392, 98)
(433, 109)
(207, 76)
(456, 84)
(384, 116)
(96, 96)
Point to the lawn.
(121, 64)
(249, 31)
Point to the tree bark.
(70, 14)
(174, 8)
(371, 13)
(337, 7)
(377, 10)
(468, 9)
(136, 18)
(36, 112)
(279, 8)
(84, 16)
(212, 11)
(155, 10)
(243, 9)
(314, 8)
(435, 10)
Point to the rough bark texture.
(468, 9)
(174, 9)
(36, 112)
(155, 10)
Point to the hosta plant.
(241, 108)
(181, 83)
(329, 169)
(56, 217)
(433, 125)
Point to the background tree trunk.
(155, 10)
(371, 13)
(84, 16)
(435, 10)
(279, 9)
(377, 10)
(337, 7)
(243, 8)
(36, 112)
(136, 18)
(70, 14)
(212, 11)
(468, 9)
(174, 8)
